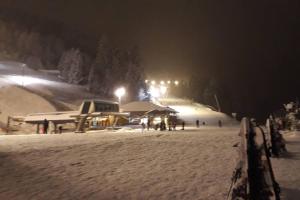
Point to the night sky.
(252, 47)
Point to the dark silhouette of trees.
(101, 70)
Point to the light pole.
(119, 93)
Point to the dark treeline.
(96, 63)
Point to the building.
(142, 111)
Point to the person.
(148, 124)
(164, 125)
(170, 125)
(220, 123)
(203, 123)
(60, 129)
(197, 123)
(46, 125)
(143, 127)
(174, 125)
(183, 124)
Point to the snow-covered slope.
(190, 111)
(13, 73)
(24, 90)
(17, 101)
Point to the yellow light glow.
(163, 89)
(120, 92)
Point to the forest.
(99, 65)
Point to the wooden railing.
(253, 178)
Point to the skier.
(148, 124)
(174, 126)
(143, 127)
(197, 123)
(220, 123)
(46, 125)
(170, 125)
(60, 129)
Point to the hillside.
(190, 111)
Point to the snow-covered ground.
(190, 164)
(190, 111)
(287, 168)
(14, 73)
(24, 90)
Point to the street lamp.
(119, 93)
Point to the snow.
(17, 101)
(137, 106)
(55, 116)
(191, 164)
(24, 90)
(191, 111)
(14, 73)
(287, 168)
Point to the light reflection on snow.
(27, 80)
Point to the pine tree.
(135, 73)
(71, 66)
(99, 76)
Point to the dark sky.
(249, 45)
(185, 35)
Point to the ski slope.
(24, 90)
(22, 81)
(39, 82)
(190, 111)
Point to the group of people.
(162, 125)
(172, 125)
(46, 127)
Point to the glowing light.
(169, 82)
(146, 81)
(153, 82)
(157, 120)
(154, 92)
(176, 82)
(119, 93)
(27, 80)
(162, 82)
(163, 89)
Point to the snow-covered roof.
(143, 106)
(54, 116)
